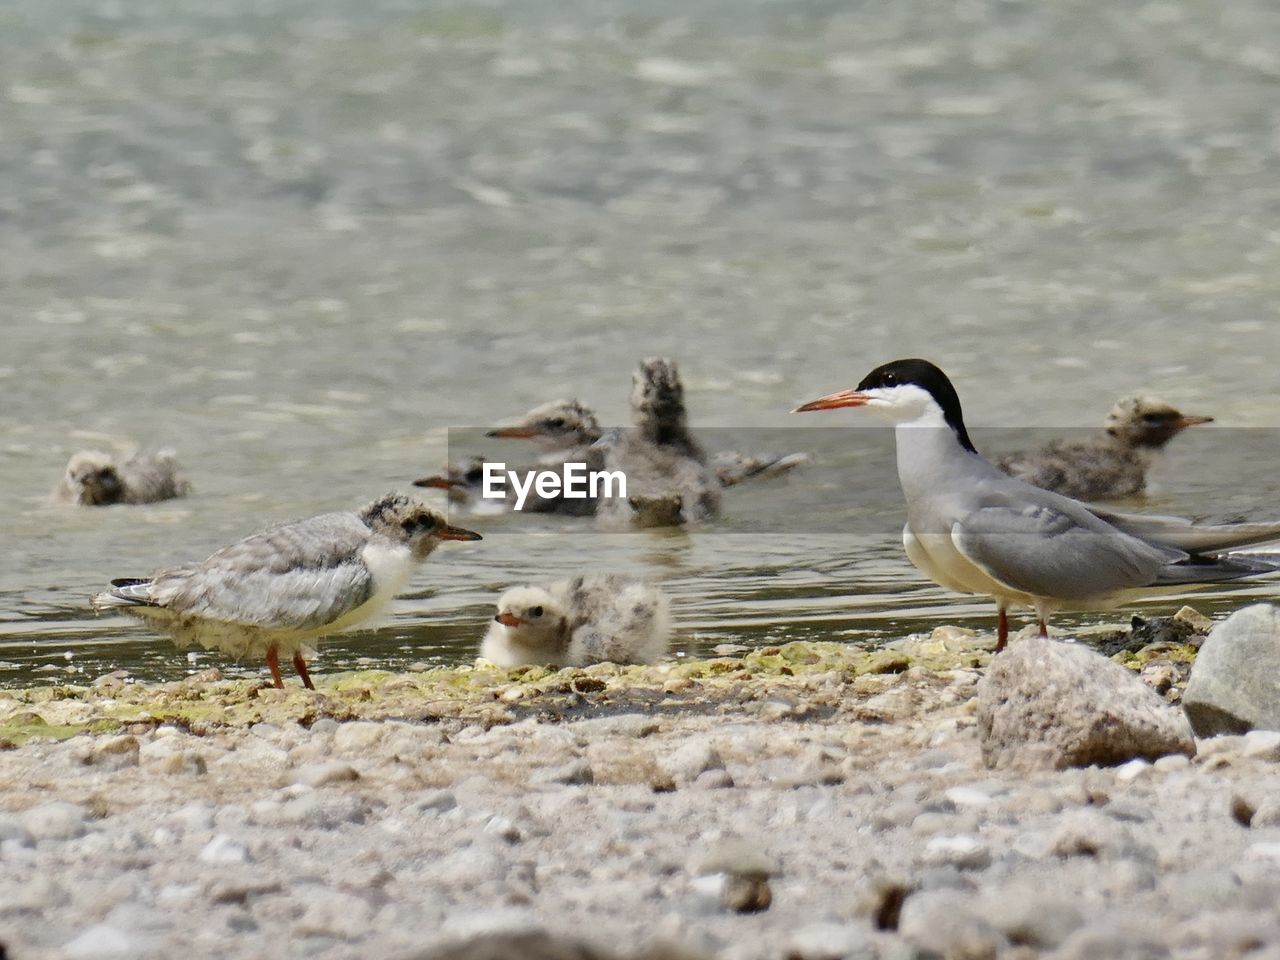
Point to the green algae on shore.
(480, 693)
(485, 694)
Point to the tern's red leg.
(1044, 629)
(1002, 630)
(273, 661)
(301, 666)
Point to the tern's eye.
(474, 475)
(535, 612)
(1155, 417)
(555, 423)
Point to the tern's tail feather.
(125, 592)
(732, 467)
(1191, 537)
(1230, 566)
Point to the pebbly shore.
(808, 801)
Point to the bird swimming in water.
(1109, 466)
(564, 428)
(276, 591)
(583, 620)
(567, 431)
(559, 427)
(668, 480)
(95, 479)
(972, 529)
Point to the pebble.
(713, 780)
(573, 773)
(56, 821)
(632, 726)
(435, 801)
(830, 941)
(1267, 814)
(318, 811)
(1262, 745)
(333, 913)
(1109, 940)
(325, 774)
(943, 922)
(967, 796)
(1128, 772)
(358, 737)
(691, 759)
(100, 940)
(1029, 918)
(223, 849)
(963, 852)
(116, 753)
(13, 829)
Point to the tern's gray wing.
(1192, 537)
(1053, 547)
(295, 576)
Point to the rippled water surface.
(296, 241)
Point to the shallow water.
(295, 242)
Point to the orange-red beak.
(456, 533)
(508, 619)
(1183, 422)
(513, 433)
(833, 401)
(436, 483)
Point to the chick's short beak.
(456, 533)
(508, 620)
(513, 433)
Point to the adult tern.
(972, 529)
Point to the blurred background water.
(296, 241)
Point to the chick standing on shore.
(575, 622)
(279, 589)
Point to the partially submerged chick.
(95, 479)
(564, 428)
(1112, 465)
(583, 620)
(668, 480)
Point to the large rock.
(1048, 704)
(1235, 682)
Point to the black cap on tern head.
(926, 376)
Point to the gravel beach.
(809, 801)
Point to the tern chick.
(565, 429)
(95, 479)
(974, 530)
(277, 590)
(1112, 465)
(668, 480)
(593, 619)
